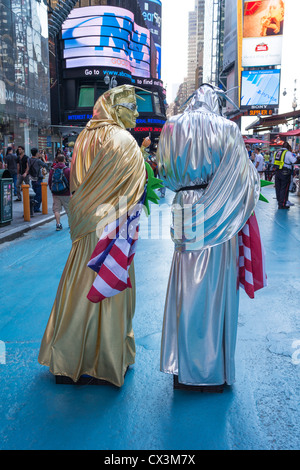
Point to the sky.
(174, 43)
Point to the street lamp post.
(111, 82)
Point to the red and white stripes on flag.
(113, 256)
(252, 274)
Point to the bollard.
(44, 198)
(26, 202)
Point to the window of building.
(86, 97)
(157, 107)
(144, 106)
(100, 91)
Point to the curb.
(18, 232)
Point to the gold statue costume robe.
(81, 337)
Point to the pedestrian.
(42, 156)
(2, 164)
(249, 150)
(11, 162)
(23, 167)
(203, 159)
(36, 177)
(59, 184)
(89, 333)
(259, 162)
(283, 162)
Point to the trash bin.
(32, 201)
(6, 197)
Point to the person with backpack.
(59, 184)
(35, 172)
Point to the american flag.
(252, 273)
(113, 256)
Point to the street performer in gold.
(84, 337)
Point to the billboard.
(106, 36)
(152, 11)
(260, 89)
(263, 23)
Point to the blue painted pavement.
(261, 410)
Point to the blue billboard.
(107, 36)
(260, 88)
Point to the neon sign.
(147, 129)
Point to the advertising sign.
(263, 23)
(106, 36)
(260, 88)
(152, 10)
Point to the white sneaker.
(288, 203)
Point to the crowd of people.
(32, 170)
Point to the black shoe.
(37, 210)
(18, 199)
(283, 207)
(58, 227)
(197, 388)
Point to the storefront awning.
(255, 141)
(295, 132)
(263, 124)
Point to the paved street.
(261, 410)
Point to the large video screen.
(260, 88)
(263, 24)
(106, 36)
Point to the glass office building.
(24, 74)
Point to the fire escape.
(217, 40)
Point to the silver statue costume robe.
(199, 148)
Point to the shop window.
(86, 97)
(144, 106)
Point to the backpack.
(34, 168)
(59, 182)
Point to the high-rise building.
(200, 10)
(192, 53)
(195, 55)
(24, 74)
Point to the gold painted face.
(127, 113)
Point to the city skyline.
(174, 37)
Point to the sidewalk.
(18, 226)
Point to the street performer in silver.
(203, 159)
